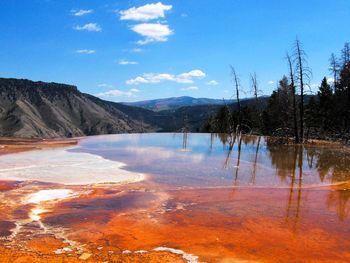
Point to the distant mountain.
(38, 109)
(176, 102)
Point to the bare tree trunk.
(301, 82)
(255, 87)
(334, 67)
(236, 81)
(291, 74)
(256, 92)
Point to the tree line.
(292, 111)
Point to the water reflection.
(330, 163)
(226, 160)
(231, 142)
(338, 200)
(252, 181)
(293, 207)
(214, 158)
(288, 165)
(184, 140)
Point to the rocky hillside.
(47, 110)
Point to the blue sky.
(128, 50)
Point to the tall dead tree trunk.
(254, 81)
(301, 79)
(295, 121)
(256, 92)
(334, 68)
(303, 73)
(236, 82)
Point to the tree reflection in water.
(339, 199)
(292, 163)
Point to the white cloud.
(148, 78)
(81, 12)
(134, 90)
(190, 88)
(314, 85)
(151, 78)
(136, 50)
(193, 73)
(152, 32)
(270, 82)
(127, 62)
(104, 85)
(212, 83)
(188, 76)
(330, 80)
(85, 51)
(137, 81)
(117, 93)
(89, 27)
(146, 12)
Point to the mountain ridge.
(173, 103)
(40, 109)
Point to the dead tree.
(346, 53)
(303, 73)
(256, 93)
(236, 82)
(295, 121)
(334, 68)
(254, 83)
